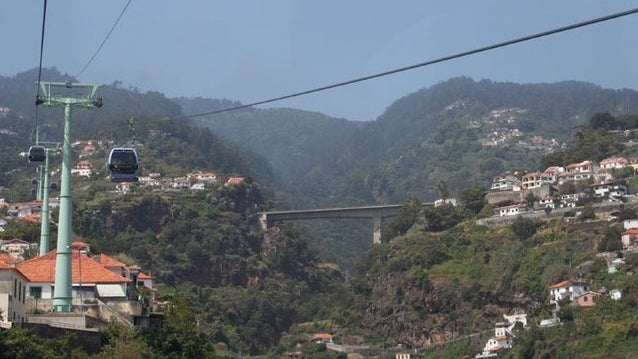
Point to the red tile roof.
(5, 265)
(235, 180)
(8, 259)
(33, 218)
(79, 245)
(143, 275)
(630, 231)
(42, 269)
(565, 283)
(108, 261)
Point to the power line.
(106, 38)
(427, 63)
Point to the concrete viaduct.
(377, 213)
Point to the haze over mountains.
(460, 131)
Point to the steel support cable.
(427, 63)
(105, 39)
(38, 101)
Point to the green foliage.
(588, 212)
(611, 240)
(123, 342)
(25, 344)
(593, 143)
(180, 336)
(524, 228)
(473, 198)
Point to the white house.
(13, 286)
(512, 210)
(500, 341)
(16, 247)
(566, 290)
(614, 163)
(199, 186)
(609, 190)
(82, 168)
(89, 278)
(506, 182)
(629, 237)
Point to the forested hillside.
(439, 278)
(460, 131)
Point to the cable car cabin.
(122, 165)
(37, 155)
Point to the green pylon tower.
(62, 293)
(44, 217)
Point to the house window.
(35, 292)
(584, 298)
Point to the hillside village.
(514, 193)
(110, 289)
(104, 289)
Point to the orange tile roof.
(34, 218)
(322, 336)
(109, 261)
(42, 269)
(565, 283)
(78, 245)
(235, 180)
(630, 231)
(5, 265)
(8, 259)
(143, 275)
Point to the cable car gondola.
(122, 164)
(37, 155)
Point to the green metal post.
(62, 298)
(62, 294)
(38, 195)
(44, 216)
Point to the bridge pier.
(376, 226)
(263, 220)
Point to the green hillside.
(439, 281)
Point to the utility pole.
(62, 295)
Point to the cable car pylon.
(62, 295)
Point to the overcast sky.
(255, 50)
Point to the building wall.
(12, 295)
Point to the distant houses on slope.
(510, 192)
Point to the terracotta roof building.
(89, 278)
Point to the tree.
(588, 212)
(603, 120)
(444, 192)
(179, 335)
(524, 228)
(473, 198)
(531, 198)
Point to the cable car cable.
(44, 18)
(104, 41)
(426, 63)
(38, 101)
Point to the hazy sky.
(254, 50)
